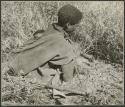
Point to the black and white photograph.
(62, 53)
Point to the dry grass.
(102, 82)
(100, 33)
(102, 21)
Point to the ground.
(102, 84)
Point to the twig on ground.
(62, 89)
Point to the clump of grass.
(18, 90)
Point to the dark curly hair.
(69, 13)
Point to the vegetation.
(100, 34)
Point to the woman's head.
(68, 16)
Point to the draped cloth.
(50, 47)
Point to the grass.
(102, 82)
(102, 21)
(100, 34)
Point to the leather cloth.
(51, 47)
